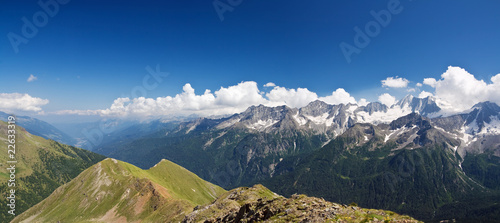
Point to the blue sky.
(93, 52)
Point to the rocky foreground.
(258, 204)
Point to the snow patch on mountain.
(300, 119)
(395, 132)
(492, 128)
(465, 136)
(352, 108)
(383, 117)
(322, 119)
(261, 124)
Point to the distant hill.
(41, 128)
(111, 134)
(42, 166)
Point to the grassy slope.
(117, 191)
(42, 166)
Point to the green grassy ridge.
(113, 190)
(97, 191)
(182, 183)
(42, 166)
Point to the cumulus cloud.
(339, 96)
(459, 90)
(11, 102)
(395, 82)
(32, 78)
(430, 81)
(226, 100)
(424, 94)
(270, 84)
(419, 85)
(244, 94)
(223, 101)
(292, 97)
(363, 102)
(387, 99)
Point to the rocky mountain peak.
(374, 107)
(486, 108)
(407, 100)
(423, 106)
(408, 121)
(316, 108)
(264, 112)
(483, 114)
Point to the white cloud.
(32, 78)
(363, 102)
(270, 84)
(10, 102)
(291, 97)
(387, 99)
(424, 94)
(460, 90)
(244, 94)
(339, 96)
(456, 91)
(226, 100)
(395, 82)
(430, 81)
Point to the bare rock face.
(258, 204)
(424, 106)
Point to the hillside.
(112, 191)
(115, 191)
(42, 166)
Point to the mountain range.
(271, 145)
(411, 157)
(56, 183)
